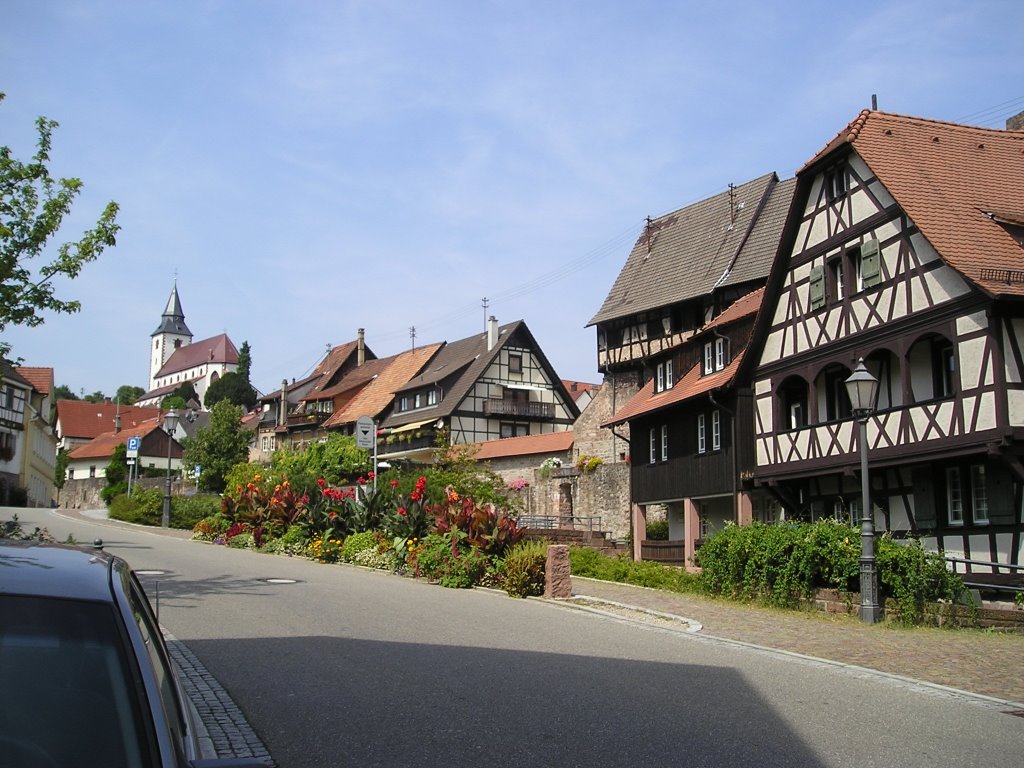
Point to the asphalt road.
(353, 667)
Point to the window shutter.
(817, 287)
(870, 256)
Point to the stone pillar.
(691, 526)
(557, 581)
(638, 512)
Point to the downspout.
(735, 450)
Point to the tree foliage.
(63, 392)
(96, 397)
(33, 205)
(233, 388)
(337, 460)
(127, 394)
(218, 447)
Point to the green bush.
(657, 530)
(458, 569)
(186, 511)
(784, 565)
(522, 572)
(146, 507)
(356, 543)
(591, 563)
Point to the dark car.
(85, 677)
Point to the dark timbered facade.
(679, 319)
(904, 249)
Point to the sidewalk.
(976, 661)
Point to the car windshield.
(67, 698)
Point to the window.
(432, 397)
(664, 442)
(954, 497)
(653, 446)
(511, 429)
(702, 442)
(709, 358)
(515, 363)
(867, 259)
(668, 374)
(417, 400)
(793, 403)
(836, 184)
(716, 430)
(979, 494)
(943, 367)
(836, 286)
(92, 471)
(659, 384)
(403, 404)
(720, 354)
(837, 400)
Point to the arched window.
(932, 361)
(833, 401)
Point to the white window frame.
(716, 430)
(432, 397)
(653, 447)
(702, 438)
(659, 383)
(664, 442)
(668, 374)
(417, 400)
(979, 495)
(719, 354)
(954, 496)
(709, 357)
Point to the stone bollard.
(557, 582)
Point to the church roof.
(216, 349)
(173, 320)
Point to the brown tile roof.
(691, 385)
(102, 446)
(82, 419)
(549, 442)
(577, 389)
(378, 393)
(729, 238)
(952, 181)
(41, 379)
(217, 349)
(742, 307)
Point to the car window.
(68, 696)
(157, 651)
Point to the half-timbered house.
(904, 248)
(490, 385)
(678, 320)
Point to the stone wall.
(85, 493)
(590, 438)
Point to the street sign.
(133, 447)
(366, 432)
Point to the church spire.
(173, 319)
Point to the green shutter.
(817, 287)
(870, 258)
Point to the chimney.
(282, 409)
(1015, 123)
(492, 332)
(360, 347)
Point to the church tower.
(171, 334)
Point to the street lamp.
(862, 388)
(170, 424)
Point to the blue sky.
(310, 168)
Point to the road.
(353, 667)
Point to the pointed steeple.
(173, 320)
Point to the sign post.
(132, 452)
(366, 437)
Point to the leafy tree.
(173, 401)
(32, 209)
(116, 474)
(219, 447)
(245, 361)
(96, 397)
(60, 472)
(233, 388)
(127, 394)
(63, 392)
(337, 460)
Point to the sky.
(305, 169)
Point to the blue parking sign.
(133, 447)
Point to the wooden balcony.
(529, 410)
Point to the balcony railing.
(530, 410)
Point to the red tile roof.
(82, 419)
(742, 307)
(549, 442)
(951, 180)
(103, 445)
(691, 385)
(41, 379)
(216, 349)
(577, 389)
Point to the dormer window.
(432, 397)
(716, 355)
(403, 403)
(663, 376)
(836, 183)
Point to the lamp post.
(862, 388)
(170, 424)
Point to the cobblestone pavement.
(977, 661)
(224, 731)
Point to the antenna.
(732, 203)
(874, 102)
(412, 335)
(485, 304)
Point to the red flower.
(321, 482)
(394, 483)
(333, 514)
(361, 481)
(402, 511)
(370, 475)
